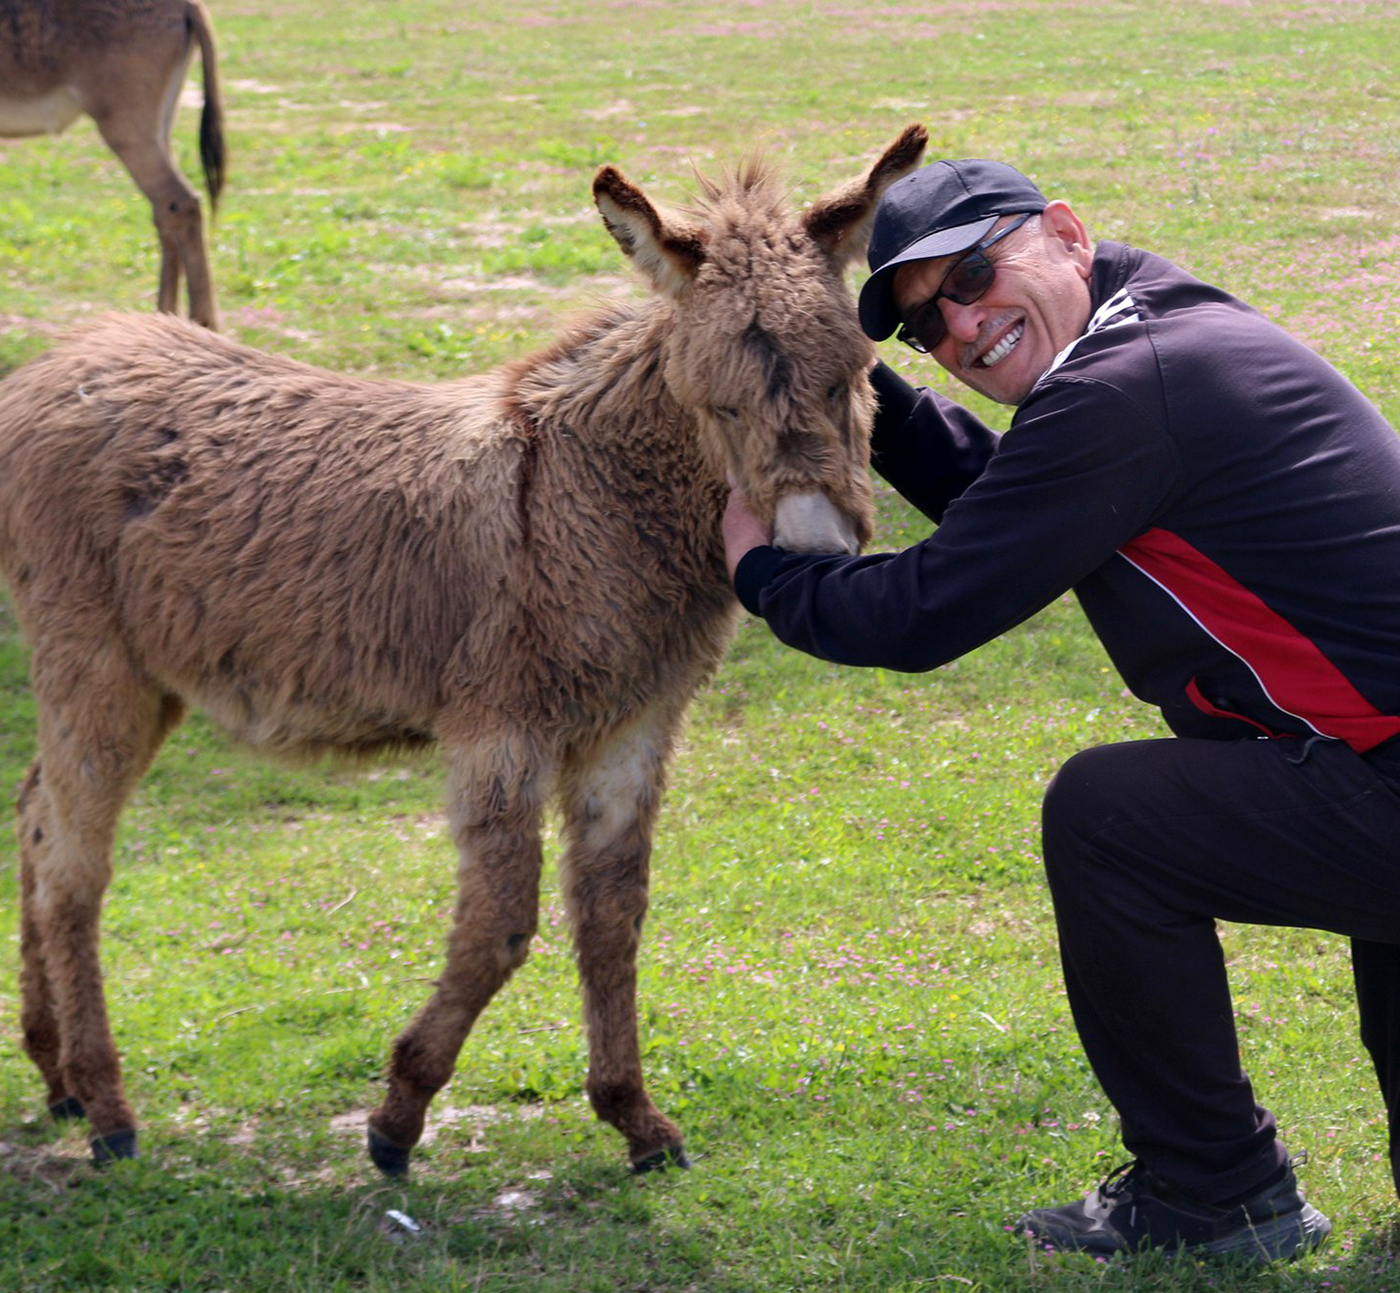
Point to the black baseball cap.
(938, 210)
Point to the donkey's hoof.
(389, 1158)
(114, 1145)
(669, 1156)
(67, 1109)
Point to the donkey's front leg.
(610, 804)
(494, 807)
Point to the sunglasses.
(965, 283)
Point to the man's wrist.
(752, 573)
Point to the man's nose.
(962, 321)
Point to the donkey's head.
(765, 348)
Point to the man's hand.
(742, 529)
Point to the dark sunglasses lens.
(925, 330)
(969, 278)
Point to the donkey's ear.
(840, 222)
(669, 257)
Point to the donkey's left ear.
(840, 223)
(669, 256)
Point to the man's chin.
(1008, 393)
(1011, 381)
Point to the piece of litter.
(514, 1200)
(403, 1222)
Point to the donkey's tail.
(211, 122)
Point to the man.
(1226, 507)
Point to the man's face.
(1002, 343)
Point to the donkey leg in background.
(610, 803)
(140, 140)
(496, 790)
(99, 726)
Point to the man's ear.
(1059, 222)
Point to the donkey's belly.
(308, 728)
(45, 114)
(316, 696)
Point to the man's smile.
(996, 342)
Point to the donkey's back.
(299, 552)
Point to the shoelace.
(1118, 1180)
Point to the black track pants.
(1146, 845)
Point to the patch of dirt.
(40, 1163)
(477, 1116)
(380, 128)
(247, 86)
(246, 1134)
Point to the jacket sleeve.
(1067, 486)
(929, 448)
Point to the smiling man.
(1226, 507)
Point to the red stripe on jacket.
(1294, 673)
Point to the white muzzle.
(812, 523)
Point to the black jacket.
(1223, 502)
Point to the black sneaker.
(1133, 1210)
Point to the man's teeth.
(1003, 347)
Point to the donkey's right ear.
(669, 257)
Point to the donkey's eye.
(835, 393)
(726, 412)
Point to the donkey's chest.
(612, 627)
(604, 644)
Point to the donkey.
(123, 63)
(524, 566)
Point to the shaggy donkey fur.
(123, 63)
(525, 567)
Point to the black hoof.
(671, 1156)
(68, 1108)
(114, 1145)
(389, 1158)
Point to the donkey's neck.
(614, 481)
(603, 383)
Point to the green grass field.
(851, 997)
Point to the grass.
(850, 990)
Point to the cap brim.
(879, 316)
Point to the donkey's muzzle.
(811, 522)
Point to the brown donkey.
(123, 63)
(525, 567)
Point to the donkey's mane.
(753, 184)
(606, 362)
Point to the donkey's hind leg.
(140, 137)
(99, 726)
(610, 802)
(38, 1022)
(496, 791)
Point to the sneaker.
(1133, 1209)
